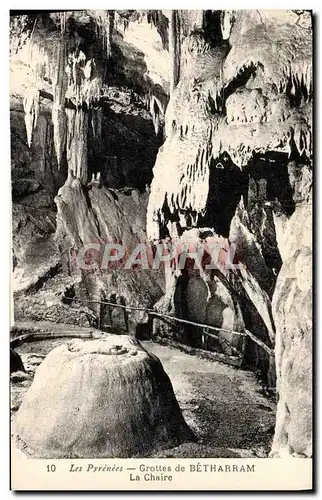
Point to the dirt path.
(223, 405)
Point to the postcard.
(161, 284)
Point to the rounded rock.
(100, 398)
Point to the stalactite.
(63, 18)
(77, 128)
(174, 48)
(99, 114)
(97, 123)
(90, 90)
(83, 80)
(105, 25)
(76, 68)
(109, 32)
(37, 60)
(60, 83)
(42, 142)
(226, 22)
(31, 108)
(39, 63)
(156, 113)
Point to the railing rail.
(205, 327)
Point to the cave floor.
(225, 407)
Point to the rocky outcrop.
(100, 398)
(229, 299)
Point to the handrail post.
(204, 338)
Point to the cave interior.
(153, 127)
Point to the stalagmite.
(101, 398)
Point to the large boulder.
(100, 398)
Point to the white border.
(5, 209)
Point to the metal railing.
(205, 327)
(208, 331)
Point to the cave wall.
(33, 170)
(292, 309)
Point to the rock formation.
(292, 307)
(243, 114)
(16, 364)
(100, 398)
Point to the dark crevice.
(168, 216)
(271, 178)
(128, 145)
(69, 295)
(51, 273)
(212, 27)
(227, 183)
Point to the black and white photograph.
(161, 247)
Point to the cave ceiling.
(103, 48)
(238, 82)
